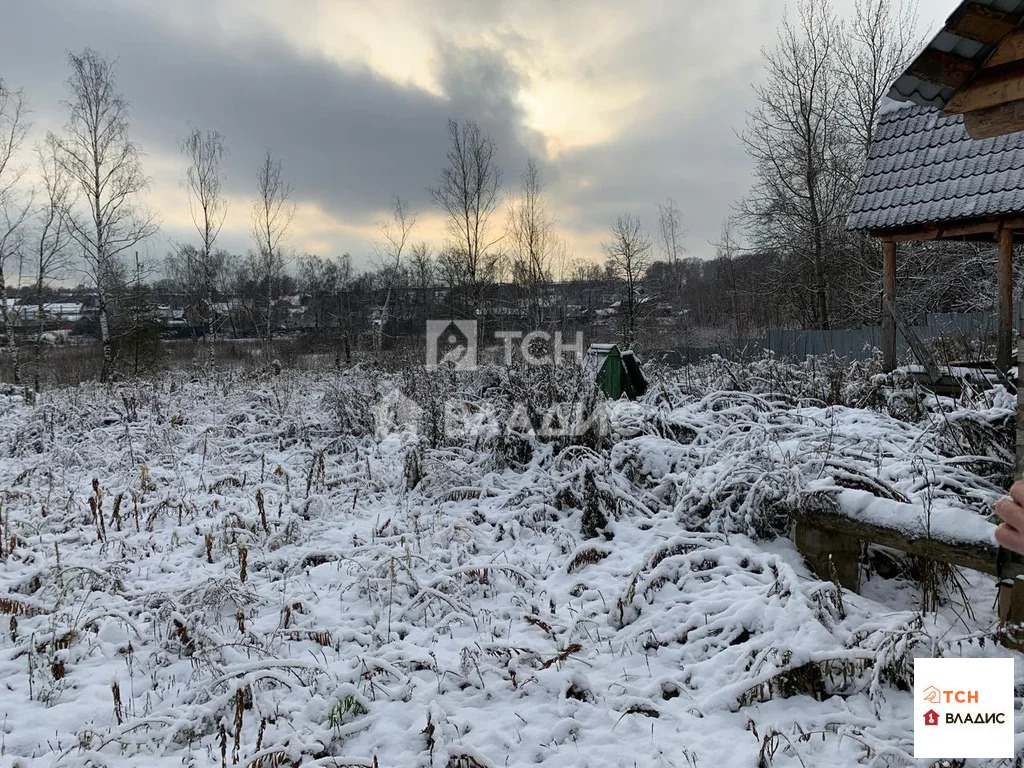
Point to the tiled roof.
(923, 168)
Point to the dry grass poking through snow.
(244, 570)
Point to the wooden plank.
(978, 556)
(1019, 468)
(995, 121)
(980, 23)
(990, 89)
(941, 68)
(1010, 49)
(888, 297)
(1004, 301)
(937, 231)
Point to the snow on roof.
(892, 105)
(924, 169)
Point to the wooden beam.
(976, 555)
(888, 298)
(981, 23)
(1004, 304)
(990, 88)
(941, 68)
(995, 121)
(1018, 472)
(936, 231)
(1010, 50)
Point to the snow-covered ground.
(268, 570)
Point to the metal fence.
(854, 344)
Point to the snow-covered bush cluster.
(320, 568)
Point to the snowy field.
(306, 569)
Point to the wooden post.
(1011, 613)
(833, 555)
(1018, 473)
(889, 296)
(1004, 334)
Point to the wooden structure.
(831, 543)
(952, 165)
(947, 165)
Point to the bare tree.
(51, 254)
(390, 248)
(873, 48)
(272, 215)
(106, 167)
(468, 194)
(319, 281)
(532, 240)
(670, 224)
(802, 182)
(583, 271)
(670, 228)
(208, 207)
(423, 271)
(629, 253)
(14, 208)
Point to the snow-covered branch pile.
(322, 569)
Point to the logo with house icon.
(931, 717)
(451, 342)
(932, 695)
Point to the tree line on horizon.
(784, 257)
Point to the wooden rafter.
(1010, 49)
(990, 88)
(982, 24)
(945, 69)
(995, 121)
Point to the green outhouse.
(616, 372)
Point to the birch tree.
(52, 241)
(395, 235)
(532, 240)
(670, 224)
(105, 167)
(272, 213)
(204, 151)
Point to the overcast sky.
(623, 104)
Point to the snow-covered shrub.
(426, 598)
